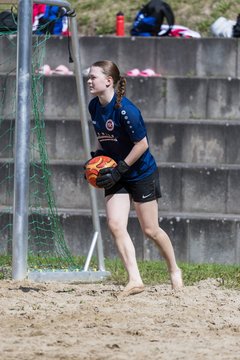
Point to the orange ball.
(94, 165)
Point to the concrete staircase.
(192, 114)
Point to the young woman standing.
(122, 135)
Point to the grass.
(152, 272)
(155, 272)
(98, 17)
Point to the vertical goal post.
(21, 156)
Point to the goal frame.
(21, 157)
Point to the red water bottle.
(120, 24)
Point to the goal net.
(48, 251)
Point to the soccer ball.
(94, 165)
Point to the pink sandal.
(62, 70)
(148, 73)
(44, 70)
(133, 72)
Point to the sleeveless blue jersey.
(117, 130)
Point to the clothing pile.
(180, 32)
(223, 27)
(50, 19)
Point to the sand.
(88, 321)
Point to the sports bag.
(52, 20)
(236, 28)
(150, 18)
(8, 21)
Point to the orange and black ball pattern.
(94, 165)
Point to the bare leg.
(117, 208)
(148, 218)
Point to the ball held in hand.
(94, 165)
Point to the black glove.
(93, 154)
(98, 152)
(108, 177)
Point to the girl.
(121, 134)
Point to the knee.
(151, 233)
(115, 227)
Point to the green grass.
(152, 272)
(98, 17)
(155, 272)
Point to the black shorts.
(143, 190)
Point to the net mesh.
(47, 246)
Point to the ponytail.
(120, 91)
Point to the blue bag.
(150, 18)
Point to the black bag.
(8, 21)
(150, 18)
(236, 28)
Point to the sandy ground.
(88, 321)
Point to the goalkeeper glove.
(108, 177)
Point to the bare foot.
(132, 288)
(176, 279)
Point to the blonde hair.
(109, 68)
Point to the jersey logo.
(110, 125)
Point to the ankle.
(176, 279)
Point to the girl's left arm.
(138, 149)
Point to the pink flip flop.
(62, 70)
(148, 73)
(133, 72)
(44, 70)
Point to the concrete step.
(168, 56)
(171, 97)
(63, 139)
(172, 57)
(185, 141)
(196, 237)
(207, 141)
(185, 187)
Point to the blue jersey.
(117, 130)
